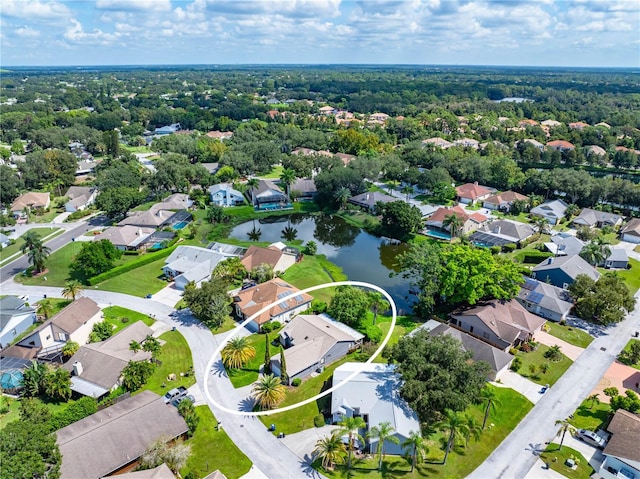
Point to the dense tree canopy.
(400, 219)
(349, 305)
(607, 300)
(210, 302)
(96, 257)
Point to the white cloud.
(135, 5)
(34, 9)
(76, 34)
(27, 32)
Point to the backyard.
(139, 281)
(119, 318)
(312, 271)
(249, 373)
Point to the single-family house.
(617, 259)
(80, 198)
(497, 359)
(327, 110)
(149, 218)
(125, 238)
(502, 232)
(267, 195)
(527, 122)
(373, 394)
(503, 201)
(631, 231)
(223, 194)
(188, 264)
(503, 324)
(96, 368)
(622, 454)
(564, 244)
(545, 300)
(15, 318)
(346, 158)
(30, 201)
(535, 143)
(597, 219)
(370, 199)
(470, 222)
(563, 270)
(304, 188)
(4, 240)
(469, 193)
(84, 167)
(552, 211)
(550, 123)
(437, 141)
(561, 145)
(578, 125)
(113, 439)
(168, 129)
(73, 323)
(312, 342)
(378, 117)
(174, 202)
(251, 300)
(277, 255)
(160, 472)
(220, 135)
(594, 150)
(467, 143)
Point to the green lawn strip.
(630, 276)
(13, 414)
(249, 373)
(274, 174)
(175, 356)
(212, 449)
(537, 357)
(137, 282)
(556, 459)
(114, 315)
(590, 416)
(398, 332)
(358, 218)
(302, 417)
(571, 335)
(47, 217)
(626, 349)
(15, 247)
(58, 266)
(145, 206)
(312, 271)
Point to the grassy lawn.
(461, 460)
(589, 416)
(45, 217)
(114, 315)
(15, 248)
(571, 335)
(135, 149)
(138, 282)
(249, 373)
(275, 173)
(314, 270)
(58, 265)
(556, 458)
(211, 450)
(14, 408)
(13, 414)
(627, 348)
(630, 276)
(537, 357)
(358, 218)
(522, 217)
(176, 359)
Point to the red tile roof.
(561, 145)
(472, 191)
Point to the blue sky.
(463, 32)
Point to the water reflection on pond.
(362, 256)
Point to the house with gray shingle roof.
(501, 232)
(631, 231)
(223, 194)
(545, 300)
(618, 259)
(597, 219)
(622, 454)
(80, 198)
(564, 244)
(15, 318)
(193, 264)
(552, 211)
(562, 271)
(369, 199)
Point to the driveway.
(619, 376)
(524, 386)
(168, 295)
(304, 442)
(569, 350)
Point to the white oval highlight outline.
(218, 351)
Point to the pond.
(362, 256)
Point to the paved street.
(518, 453)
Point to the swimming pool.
(438, 234)
(179, 226)
(156, 246)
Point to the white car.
(591, 438)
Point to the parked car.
(176, 402)
(591, 438)
(175, 393)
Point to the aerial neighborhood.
(161, 229)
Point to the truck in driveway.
(175, 393)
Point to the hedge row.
(118, 270)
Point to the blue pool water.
(156, 246)
(179, 226)
(438, 234)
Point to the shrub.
(78, 214)
(373, 333)
(270, 327)
(118, 270)
(82, 408)
(513, 351)
(296, 382)
(516, 364)
(318, 421)
(509, 248)
(318, 307)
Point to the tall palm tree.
(57, 384)
(565, 426)
(472, 429)
(72, 289)
(287, 177)
(252, 184)
(595, 252)
(44, 308)
(416, 443)
(383, 432)
(330, 449)
(350, 426)
(454, 424)
(595, 399)
(488, 395)
(31, 240)
(541, 225)
(454, 224)
(342, 195)
(38, 256)
(33, 378)
(407, 190)
(268, 391)
(237, 352)
(377, 303)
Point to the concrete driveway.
(168, 295)
(524, 386)
(569, 350)
(303, 443)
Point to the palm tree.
(565, 426)
(454, 224)
(383, 432)
(38, 256)
(330, 449)
(342, 195)
(571, 211)
(351, 426)
(72, 290)
(407, 190)
(33, 378)
(237, 352)
(57, 384)
(595, 399)
(377, 303)
(252, 184)
(45, 308)
(418, 447)
(541, 225)
(472, 429)
(31, 240)
(268, 391)
(455, 425)
(488, 395)
(595, 252)
(287, 177)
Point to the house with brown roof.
(312, 342)
(527, 122)
(125, 238)
(220, 135)
(503, 201)
(277, 255)
(251, 300)
(469, 193)
(30, 201)
(73, 323)
(550, 123)
(503, 324)
(561, 145)
(470, 222)
(80, 198)
(578, 125)
(437, 141)
(631, 231)
(622, 454)
(96, 368)
(113, 439)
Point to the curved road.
(267, 453)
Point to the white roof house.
(223, 194)
(191, 263)
(373, 394)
